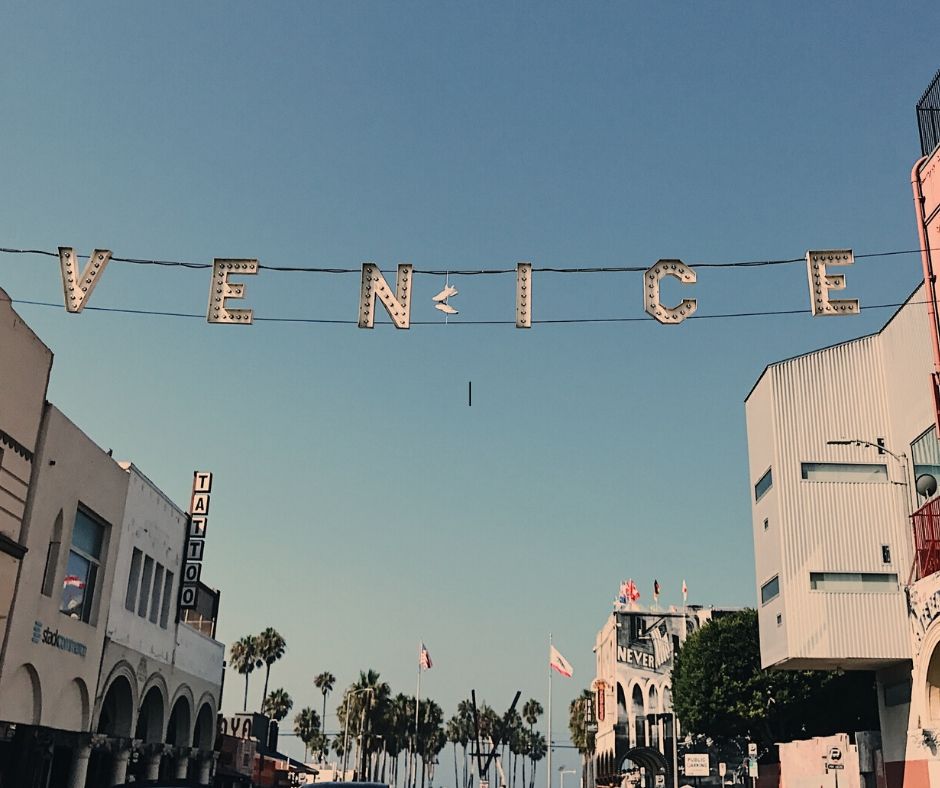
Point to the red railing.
(926, 521)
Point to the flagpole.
(549, 763)
(414, 773)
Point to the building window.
(843, 472)
(167, 597)
(770, 589)
(145, 587)
(885, 554)
(779, 619)
(766, 523)
(925, 452)
(133, 580)
(81, 572)
(52, 557)
(854, 582)
(763, 485)
(157, 593)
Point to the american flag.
(662, 644)
(424, 658)
(74, 581)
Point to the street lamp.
(901, 458)
(346, 729)
(562, 771)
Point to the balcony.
(926, 522)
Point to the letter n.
(398, 306)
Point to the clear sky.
(360, 505)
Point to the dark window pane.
(145, 587)
(763, 485)
(157, 592)
(769, 590)
(87, 535)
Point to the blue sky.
(360, 505)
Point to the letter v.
(78, 286)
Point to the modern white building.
(836, 439)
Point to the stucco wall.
(41, 675)
(24, 375)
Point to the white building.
(160, 680)
(636, 727)
(832, 536)
(100, 680)
(24, 374)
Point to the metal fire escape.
(926, 522)
(928, 117)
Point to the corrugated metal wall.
(874, 387)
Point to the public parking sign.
(696, 764)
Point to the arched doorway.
(204, 733)
(177, 731)
(25, 691)
(652, 707)
(933, 685)
(117, 709)
(652, 762)
(638, 715)
(150, 718)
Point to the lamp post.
(901, 458)
(562, 771)
(346, 728)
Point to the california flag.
(557, 662)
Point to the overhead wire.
(549, 321)
(459, 272)
(466, 272)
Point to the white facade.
(99, 681)
(24, 375)
(172, 673)
(837, 581)
(822, 522)
(634, 652)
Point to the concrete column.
(152, 769)
(79, 769)
(119, 759)
(205, 767)
(182, 765)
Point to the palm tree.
(270, 647)
(455, 732)
(307, 727)
(580, 736)
(277, 705)
(465, 714)
(372, 706)
(324, 682)
(430, 734)
(244, 656)
(537, 750)
(531, 711)
(401, 720)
